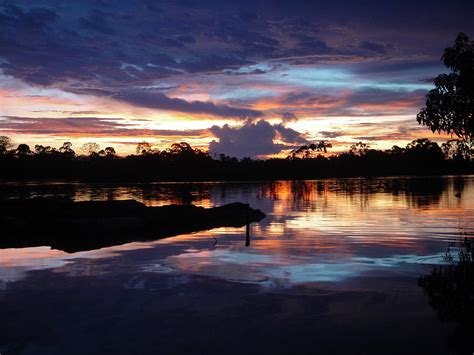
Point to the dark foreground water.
(332, 269)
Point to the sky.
(242, 78)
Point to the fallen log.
(78, 226)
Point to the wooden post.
(247, 226)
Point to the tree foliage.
(23, 149)
(450, 105)
(110, 151)
(67, 149)
(5, 143)
(144, 148)
(307, 150)
(458, 149)
(90, 148)
(359, 148)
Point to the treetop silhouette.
(450, 105)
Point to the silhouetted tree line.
(181, 162)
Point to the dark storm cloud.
(55, 42)
(96, 21)
(106, 48)
(36, 19)
(253, 139)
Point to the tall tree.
(5, 143)
(110, 151)
(90, 148)
(144, 148)
(23, 149)
(66, 149)
(450, 105)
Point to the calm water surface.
(333, 268)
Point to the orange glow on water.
(312, 228)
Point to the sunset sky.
(244, 78)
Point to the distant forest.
(181, 162)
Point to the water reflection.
(333, 268)
(315, 231)
(418, 192)
(450, 289)
(149, 194)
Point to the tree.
(321, 146)
(359, 149)
(40, 149)
(66, 149)
(182, 148)
(110, 151)
(396, 150)
(450, 105)
(5, 143)
(23, 149)
(90, 148)
(144, 148)
(424, 150)
(458, 149)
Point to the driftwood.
(77, 226)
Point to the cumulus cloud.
(254, 139)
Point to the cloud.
(332, 134)
(262, 68)
(241, 54)
(310, 44)
(374, 96)
(34, 19)
(160, 101)
(362, 101)
(288, 117)
(253, 139)
(96, 21)
(376, 47)
(45, 42)
(72, 113)
(288, 135)
(84, 127)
